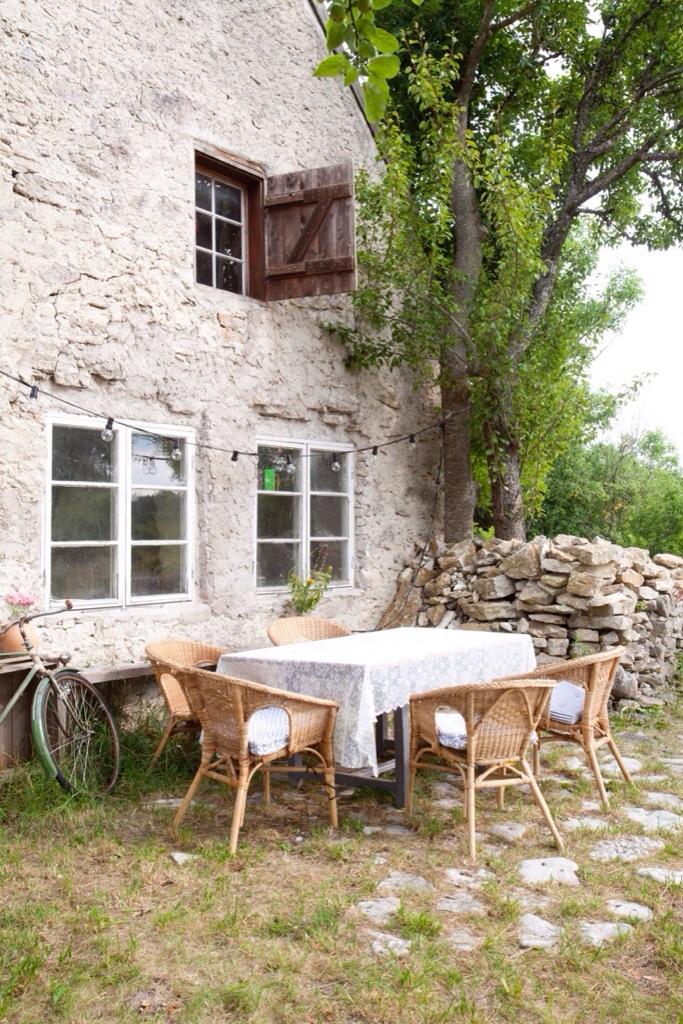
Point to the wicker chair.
(595, 673)
(247, 727)
(299, 628)
(163, 654)
(486, 740)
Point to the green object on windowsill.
(269, 479)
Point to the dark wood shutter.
(310, 232)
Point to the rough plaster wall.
(105, 103)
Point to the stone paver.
(574, 764)
(625, 908)
(652, 779)
(462, 903)
(588, 824)
(380, 911)
(447, 803)
(667, 876)
(625, 848)
(509, 831)
(383, 944)
(404, 880)
(469, 878)
(465, 940)
(653, 821)
(531, 900)
(610, 767)
(445, 789)
(369, 830)
(536, 933)
(590, 805)
(183, 858)
(549, 869)
(597, 933)
(399, 830)
(668, 800)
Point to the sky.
(651, 340)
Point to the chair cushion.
(451, 730)
(566, 702)
(268, 731)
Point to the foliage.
(629, 491)
(19, 602)
(306, 593)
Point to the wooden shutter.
(310, 233)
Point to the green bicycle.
(73, 730)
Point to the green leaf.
(386, 66)
(336, 64)
(384, 41)
(334, 33)
(375, 103)
(351, 76)
(378, 5)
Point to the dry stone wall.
(571, 595)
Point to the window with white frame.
(220, 222)
(119, 513)
(304, 512)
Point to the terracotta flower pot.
(11, 639)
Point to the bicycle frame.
(39, 667)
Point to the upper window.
(304, 512)
(119, 514)
(219, 232)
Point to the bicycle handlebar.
(68, 606)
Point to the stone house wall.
(104, 107)
(572, 596)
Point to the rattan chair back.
(299, 628)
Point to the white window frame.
(123, 543)
(305, 447)
(243, 226)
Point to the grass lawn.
(99, 923)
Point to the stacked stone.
(570, 595)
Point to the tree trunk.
(506, 495)
(460, 490)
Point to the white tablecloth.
(370, 673)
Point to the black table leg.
(401, 753)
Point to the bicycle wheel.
(75, 734)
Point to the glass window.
(303, 513)
(219, 232)
(119, 520)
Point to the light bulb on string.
(411, 441)
(234, 457)
(176, 454)
(289, 466)
(375, 449)
(108, 432)
(33, 393)
(335, 465)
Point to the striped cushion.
(268, 731)
(566, 702)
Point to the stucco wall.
(105, 104)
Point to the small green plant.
(307, 592)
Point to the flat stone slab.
(625, 848)
(536, 933)
(549, 869)
(404, 880)
(587, 824)
(672, 761)
(597, 933)
(183, 858)
(531, 900)
(590, 805)
(610, 767)
(653, 778)
(399, 830)
(508, 831)
(667, 876)
(668, 800)
(384, 944)
(469, 878)
(380, 911)
(574, 764)
(626, 909)
(447, 803)
(369, 830)
(462, 903)
(464, 940)
(170, 801)
(653, 821)
(445, 789)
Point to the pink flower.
(18, 601)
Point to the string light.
(411, 441)
(289, 466)
(375, 449)
(234, 457)
(335, 465)
(176, 454)
(33, 393)
(108, 432)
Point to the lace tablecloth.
(370, 673)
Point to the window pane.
(152, 462)
(323, 478)
(228, 200)
(273, 563)
(228, 275)
(328, 517)
(83, 513)
(228, 239)
(158, 570)
(332, 553)
(272, 469)
(202, 230)
(204, 268)
(278, 515)
(81, 454)
(158, 515)
(202, 190)
(84, 574)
